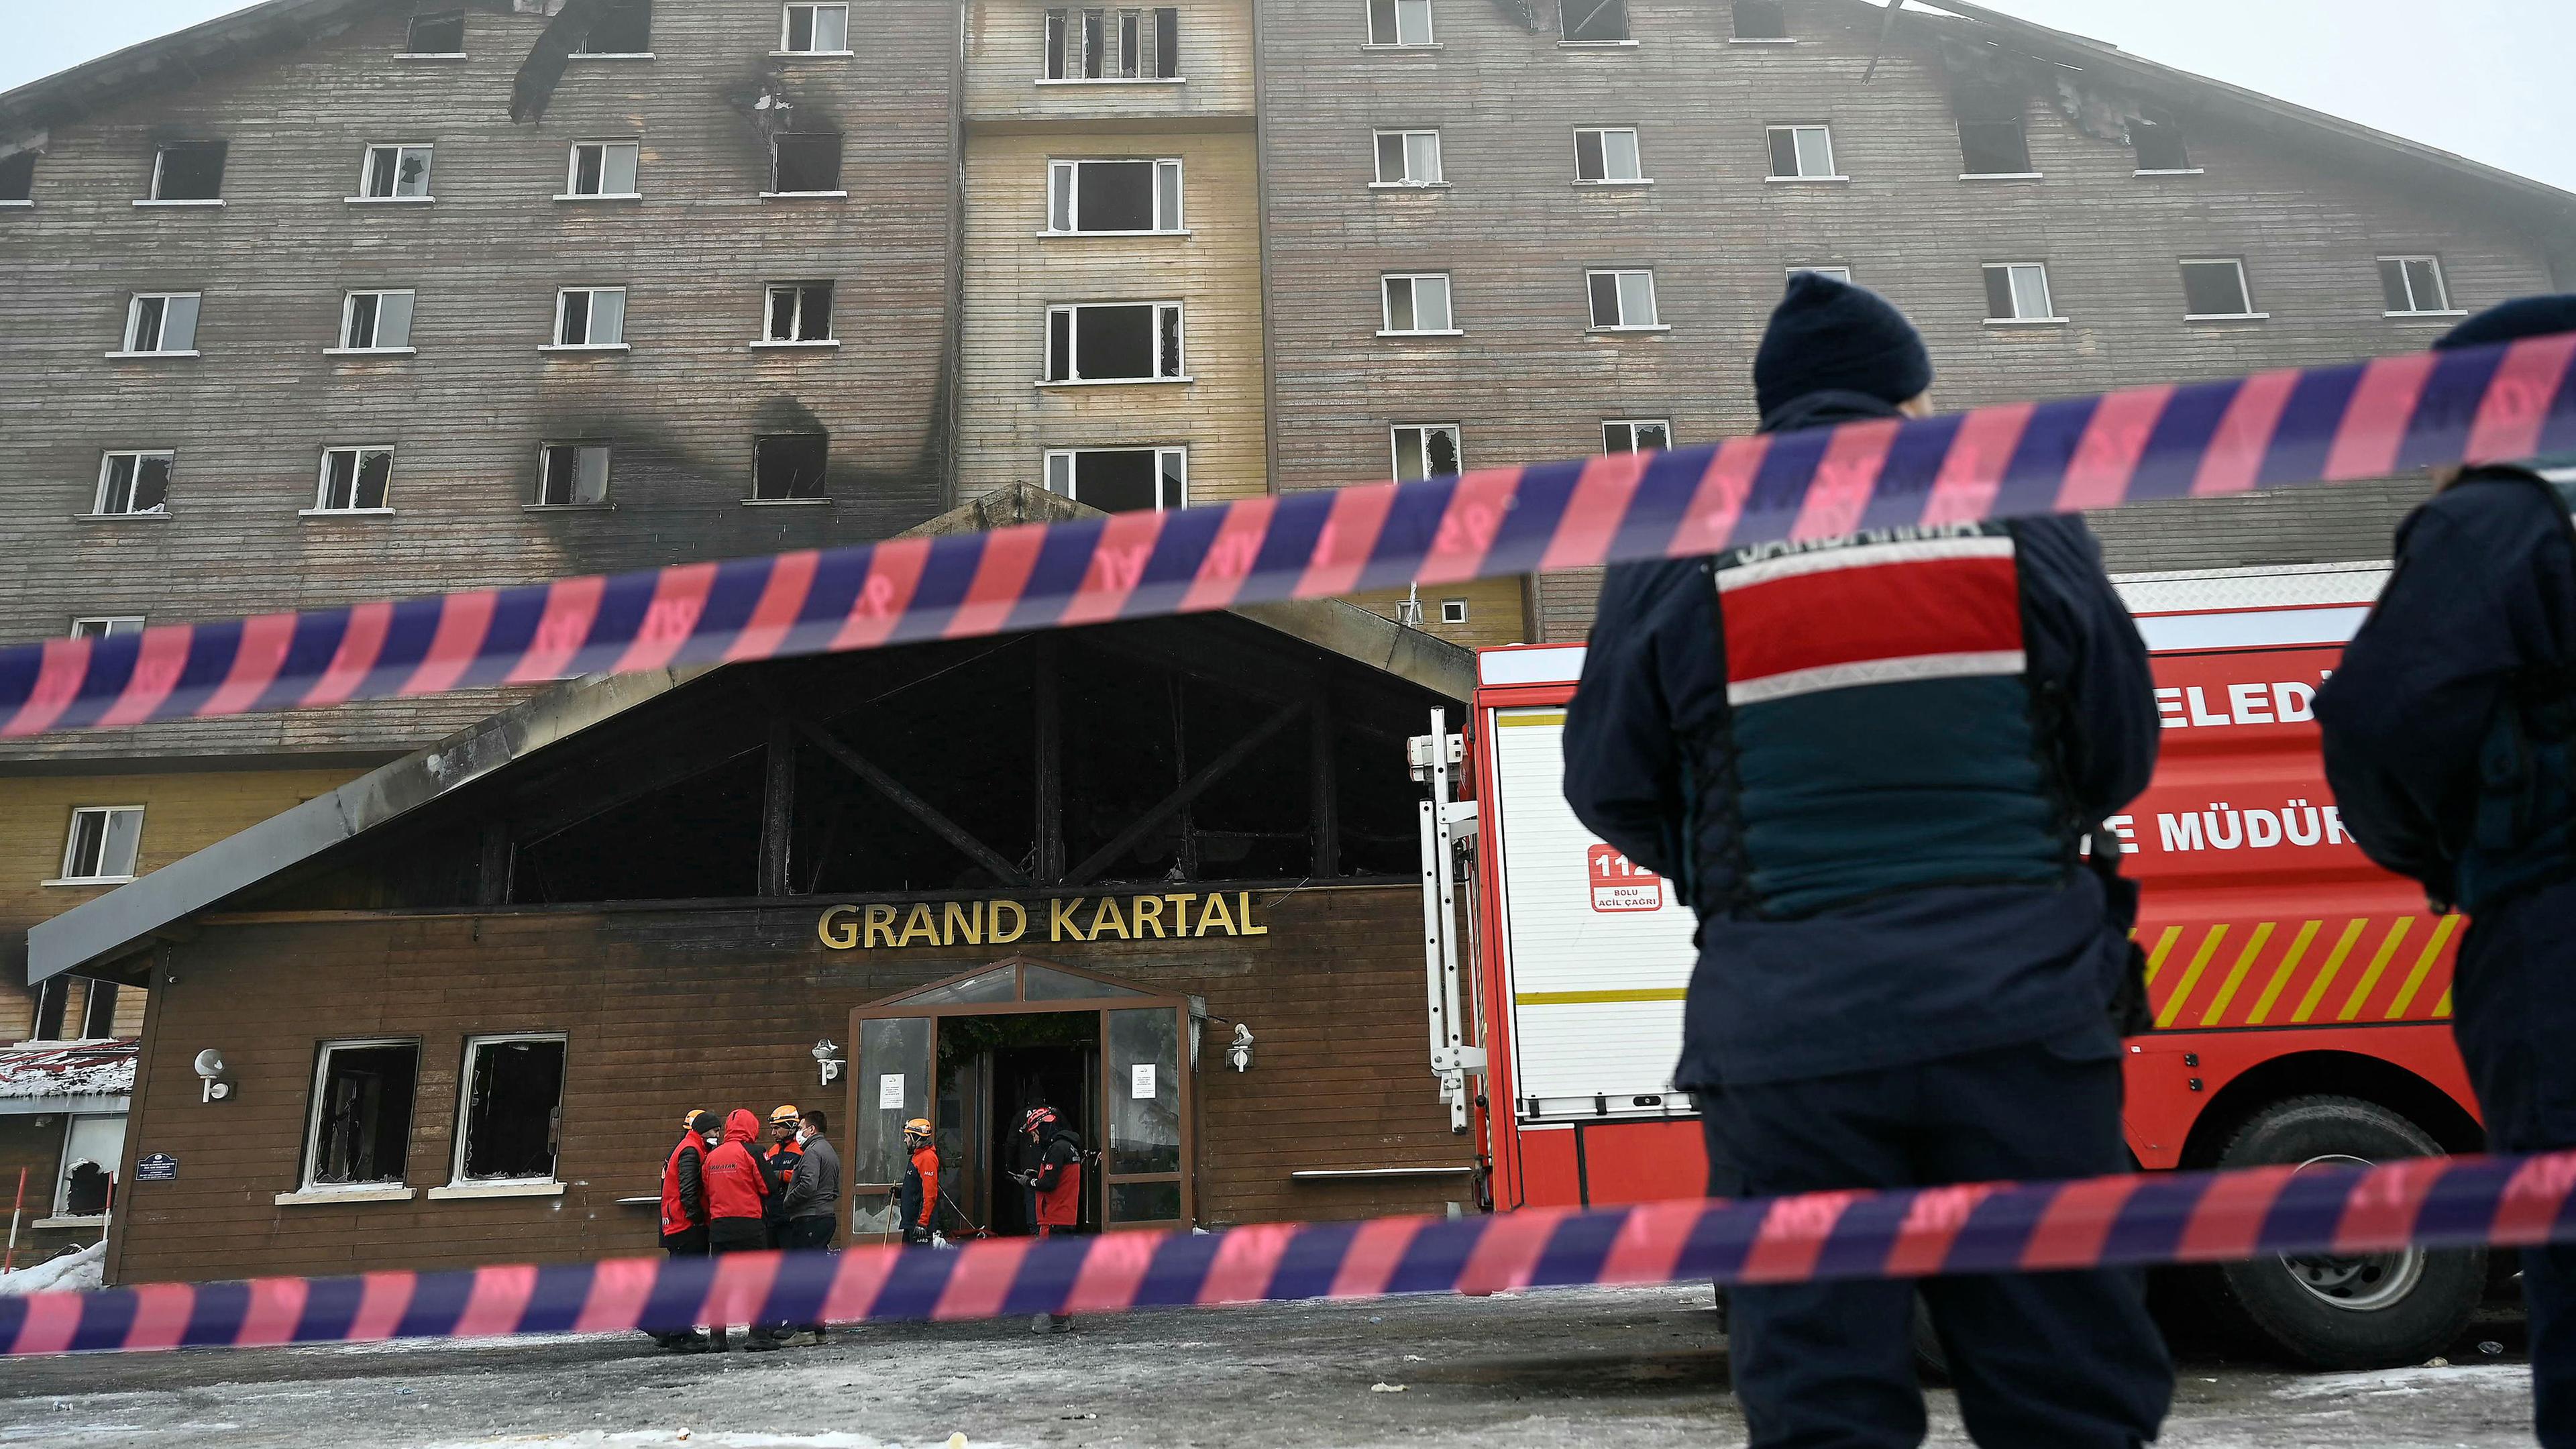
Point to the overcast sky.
(2485, 78)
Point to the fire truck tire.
(2373, 1311)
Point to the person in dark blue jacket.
(1870, 764)
(2450, 740)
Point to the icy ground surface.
(1612, 1367)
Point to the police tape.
(2137, 1219)
(2272, 430)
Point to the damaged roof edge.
(245, 33)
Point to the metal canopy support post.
(1452, 1060)
(1325, 812)
(777, 806)
(1047, 707)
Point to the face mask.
(714, 1138)
(804, 1135)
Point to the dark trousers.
(739, 1235)
(2061, 1360)
(686, 1243)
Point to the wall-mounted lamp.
(827, 1055)
(215, 1076)
(1240, 1053)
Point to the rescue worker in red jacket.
(1056, 1185)
(920, 1181)
(684, 1209)
(778, 1164)
(737, 1191)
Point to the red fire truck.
(2301, 995)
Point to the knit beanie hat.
(2513, 321)
(1828, 335)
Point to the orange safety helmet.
(1038, 1117)
(786, 1113)
(917, 1127)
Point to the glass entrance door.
(890, 1086)
(1145, 1088)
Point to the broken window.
(188, 171)
(1991, 137)
(1802, 153)
(1635, 435)
(1113, 45)
(1622, 299)
(1608, 153)
(2017, 292)
(162, 322)
(18, 177)
(2159, 143)
(624, 27)
(1423, 450)
(602, 168)
(799, 312)
(1416, 302)
(1120, 480)
(395, 173)
(815, 30)
(136, 482)
(1760, 20)
(1408, 158)
(1598, 21)
(98, 1019)
(1114, 196)
(107, 626)
(53, 999)
(789, 465)
(376, 322)
(1399, 22)
(513, 1106)
(361, 1125)
(1114, 342)
(354, 480)
(103, 845)
(590, 317)
(2215, 287)
(93, 1151)
(805, 162)
(572, 474)
(442, 33)
(2412, 286)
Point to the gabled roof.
(252, 33)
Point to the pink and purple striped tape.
(2135, 1219)
(2273, 430)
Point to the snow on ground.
(2422, 1378)
(69, 1273)
(696, 1439)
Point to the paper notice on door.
(890, 1092)
(1141, 1078)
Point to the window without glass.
(440, 34)
(623, 27)
(799, 312)
(1760, 20)
(805, 162)
(98, 1023)
(1991, 139)
(2215, 287)
(1114, 196)
(1114, 342)
(161, 322)
(376, 321)
(1622, 299)
(1839, 274)
(18, 177)
(103, 844)
(136, 482)
(2017, 292)
(815, 29)
(572, 473)
(1417, 302)
(1635, 435)
(395, 171)
(2413, 285)
(1596, 20)
(354, 479)
(1424, 449)
(93, 1149)
(789, 465)
(1607, 154)
(2159, 143)
(360, 1130)
(1801, 152)
(1120, 480)
(590, 317)
(1113, 45)
(1399, 22)
(513, 1108)
(188, 171)
(1408, 158)
(602, 168)
(53, 998)
(107, 626)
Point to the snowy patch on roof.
(103, 1068)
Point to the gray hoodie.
(815, 1190)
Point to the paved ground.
(1612, 1367)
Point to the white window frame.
(1395, 447)
(396, 1188)
(584, 446)
(1798, 153)
(1386, 304)
(458, 1184)
(1632, 424)
(2013, 273)
(348, 309)
(1439, 177)
(367, 171)
(1636, 144)
(1397, 10)
(841, 164)
(768, 307)
(160, 155)
(1076, 48)
(589, 315)
(71, 843)
(1178, 312)
(357, 470)
(572, 171)
(1620, 290)
(125, 347)
(2441, 279)
(110, 626)
(786, 25)
(1163, 454)
(2244, 289)
(107, 468)
(1453, 611)
(1839, 273)
(1064, 177)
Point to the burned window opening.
(1993, 139)
(621, 27)
(362, 1110)
(572, 475)
(439, 33)
(790, 465)
(53, 1001)
(354, 480)
(1760, 20)
(1114, 342)
(188, 171)
(1599, 21)
(800, 312)
(1120, 480)
(2159, 144)
(18, 176)
(805, 162)
(134, 482)
(98, 1011)
(513, 1110)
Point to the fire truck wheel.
(2376, 1310)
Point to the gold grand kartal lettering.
(1175, 915)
